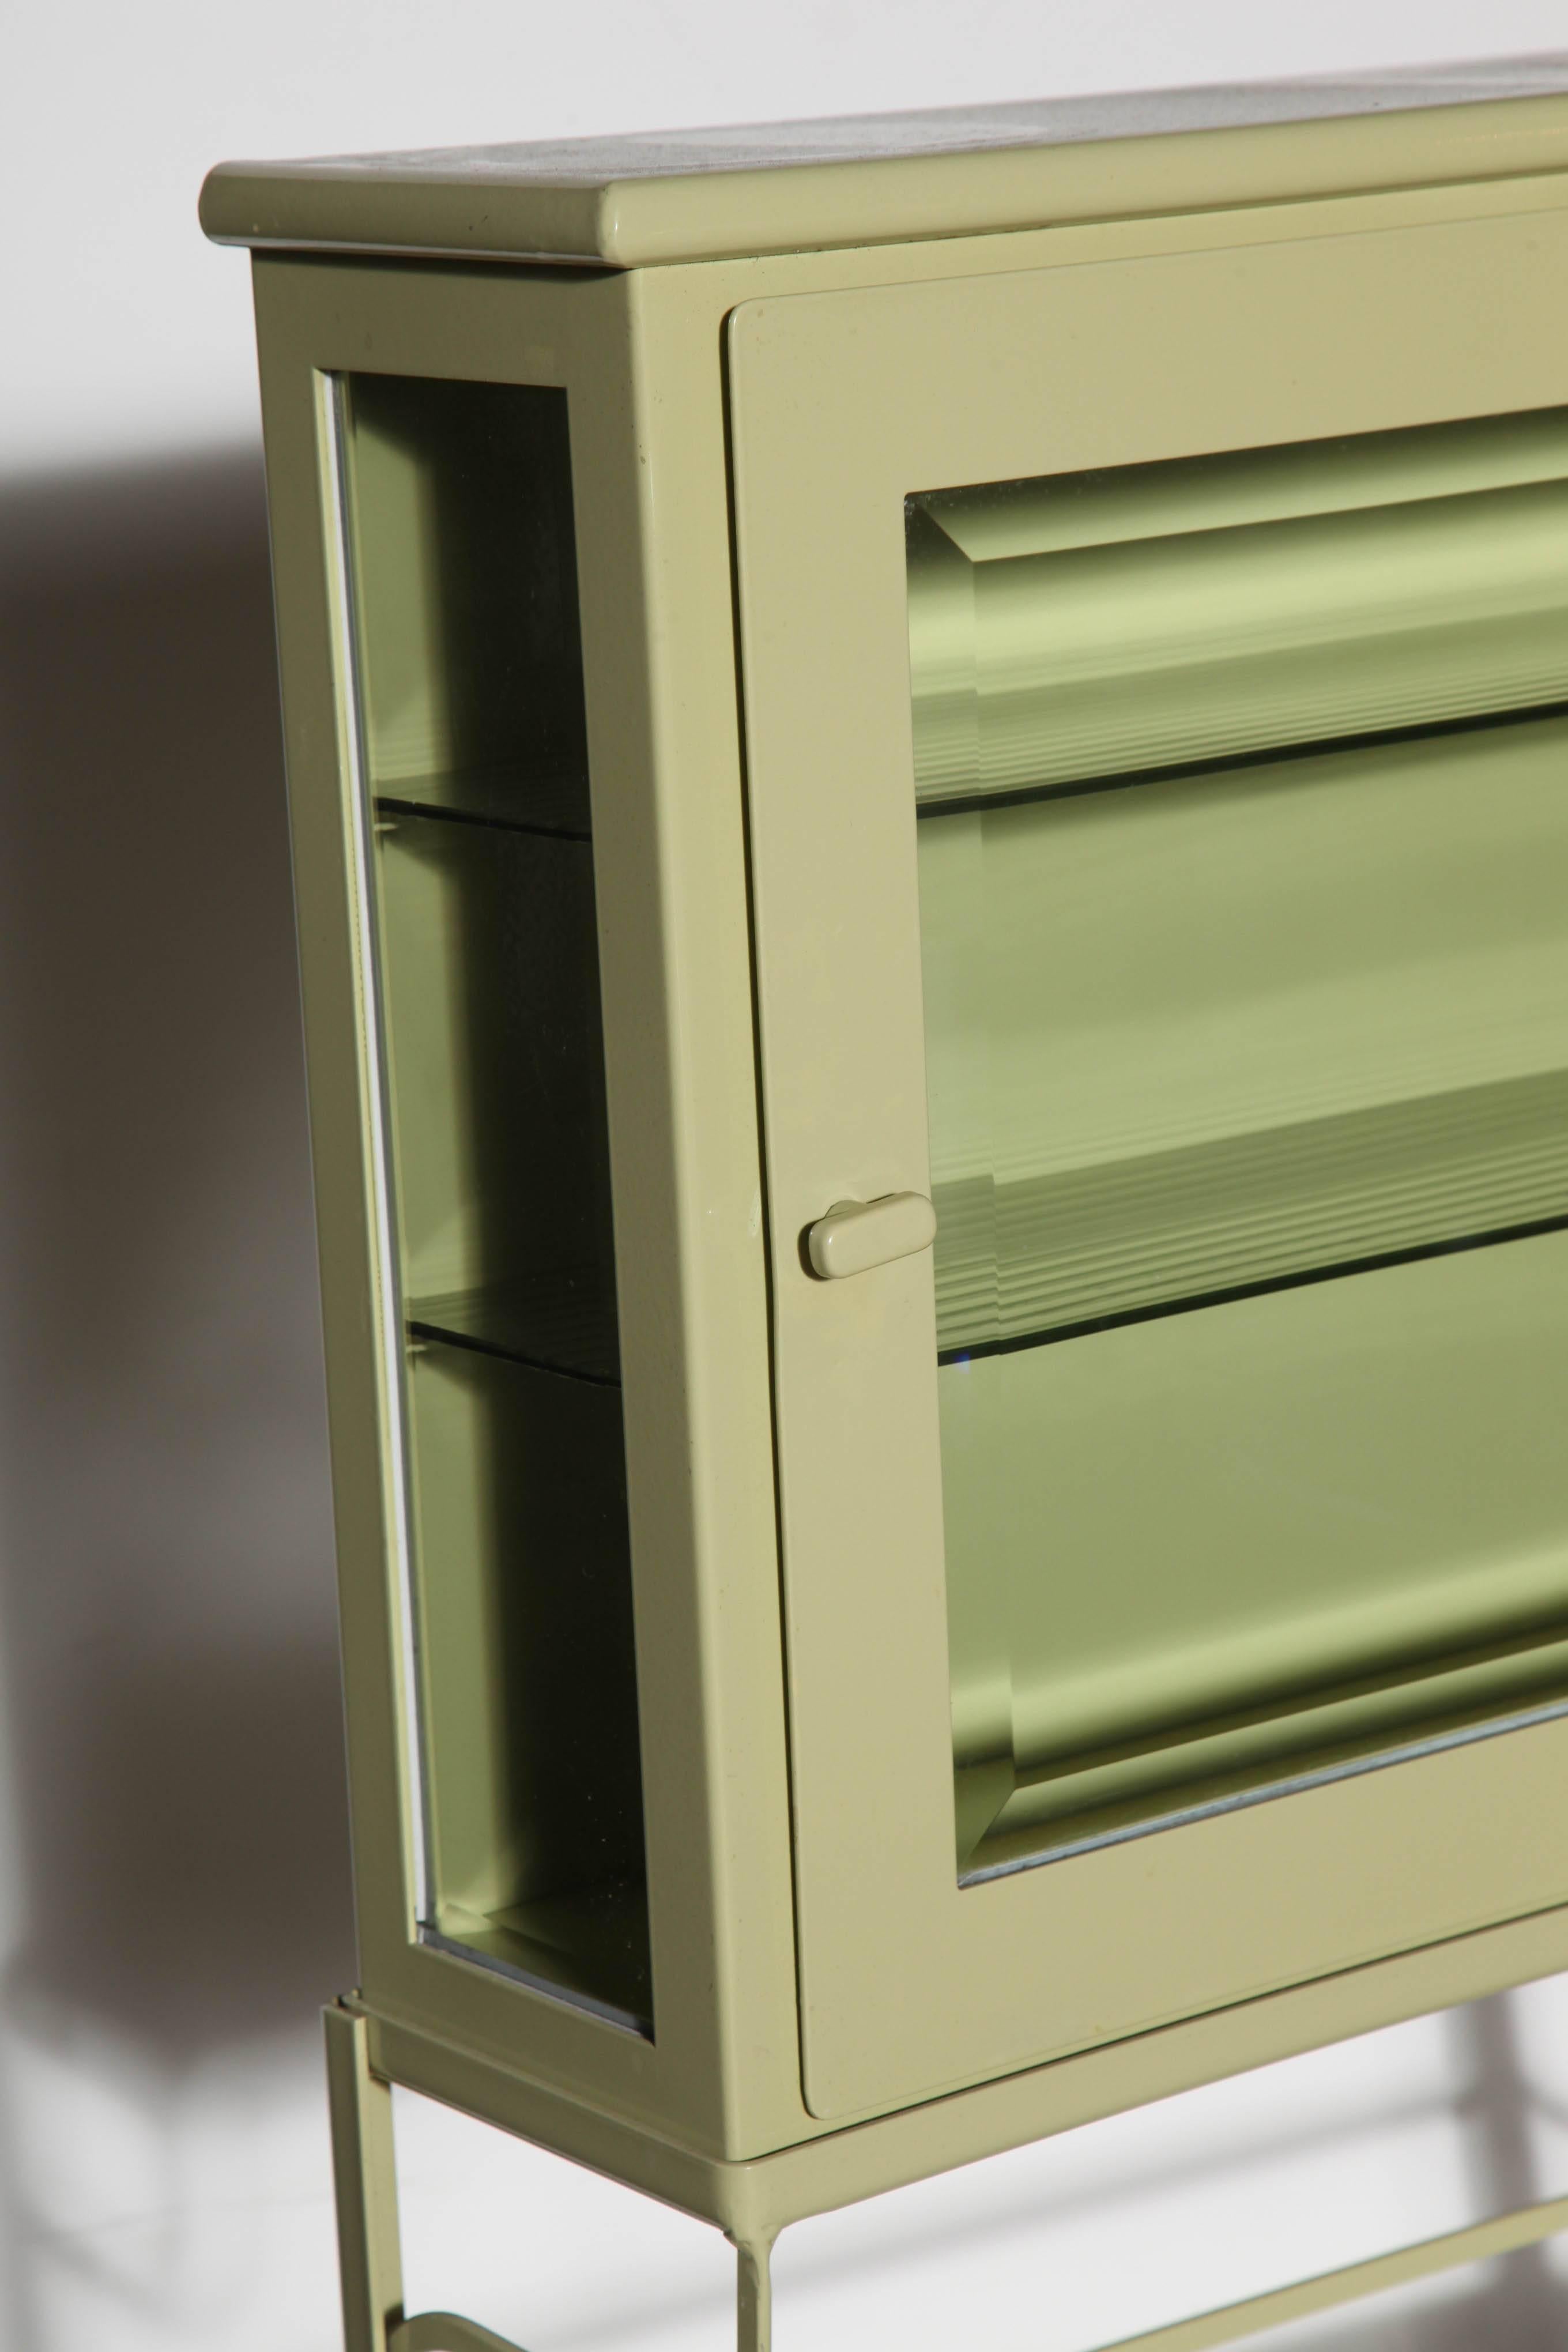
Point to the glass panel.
(1090, 624)
(490, 971)
(470, 662)
(1245, 961)
(1202, 1034)
(460, 516)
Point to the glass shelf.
(592, 1943)
(558, 1320)
(498, 796)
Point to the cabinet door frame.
(841, 405)
(669, 881)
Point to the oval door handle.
(856, 1236)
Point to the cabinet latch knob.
(856, 1236)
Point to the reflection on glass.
(471, 661)
(1093, 623)
(1244, 892)
(1211, 1031)
(467, 651)
(492, 1012)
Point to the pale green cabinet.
(929, 773)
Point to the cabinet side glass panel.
(1242, 810)
(458, 515)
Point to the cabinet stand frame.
(364, 2180)
(364, 2177)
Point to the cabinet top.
(696, 196)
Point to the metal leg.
(364, 2175)
(753, 2295)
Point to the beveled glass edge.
(626, 2020)
(333, 411)
(1291, 1785)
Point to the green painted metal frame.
(710, 2116)
(364, 2174)
(364, 2171)
(711, 2119)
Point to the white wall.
(174, 1874)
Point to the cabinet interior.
(458, 507)
(1241, 789)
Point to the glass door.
(1157, 704)
(1242, 795)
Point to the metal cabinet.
(1003, 680)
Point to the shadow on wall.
(168, 1664)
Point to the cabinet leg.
(364, 2177)
(753, 2297)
